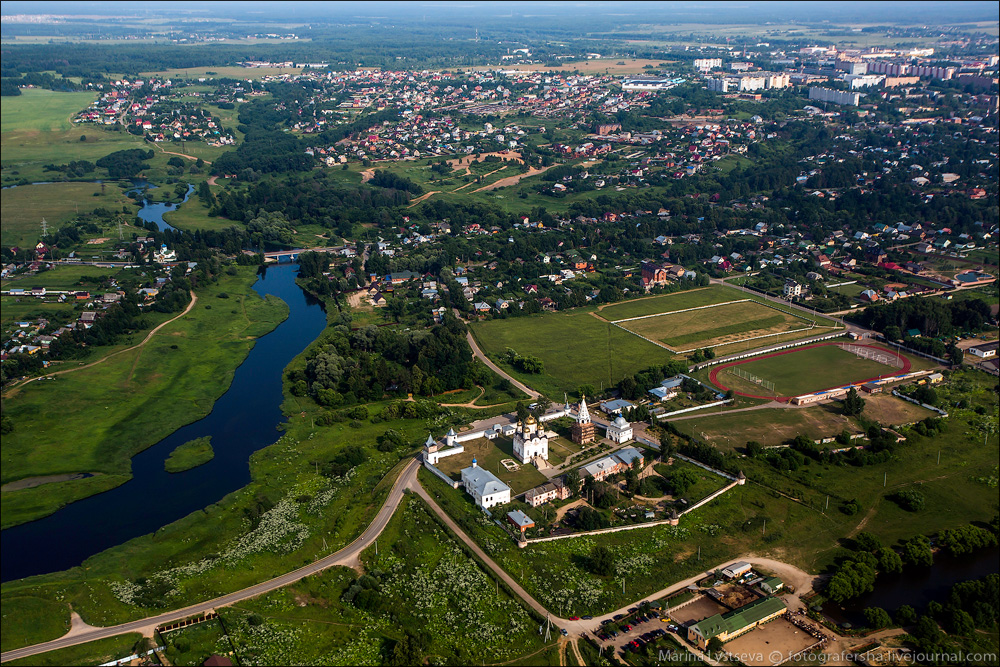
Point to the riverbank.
(172, 381)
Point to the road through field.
(194, 299)
(348, 556)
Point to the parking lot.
(765, 644)
(634, 627)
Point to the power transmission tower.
(45, 228)
(548, 634)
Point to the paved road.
(348, 556)
(496, 369)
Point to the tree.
(409, 650)
(906, 615)
(865, 541)
(602, 561)
(854, 405)
(572, 478)
(877, 618)
(714, 645)
(908, 499)
(917, 551)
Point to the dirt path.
(32, 482)
(13, 390)
(561, 512)
(212, 180)
(190, 157)
(512, 180)
(422, 198)
(367, 175)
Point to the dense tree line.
(369, 363)
(932, 317)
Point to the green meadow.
(23, 208)
(39, 110)
(575, 348)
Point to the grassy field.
(488, 454)
(41, 110)
(192, 215)
(804, 371)
(190, 455)
(770, 426)
(22, 208)
(223, 72)
(61, 278)
(38, 620)
(773, 426)
(171, 381)
(91, 653)
(668, 303)
(729, 323)
(575, 347)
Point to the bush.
(909, 500)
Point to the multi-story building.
(835, 96)
(485, 488)
(705, 64)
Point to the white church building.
(530, 441)
(619, 430)
(485, 488)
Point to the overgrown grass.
(37, 620)
(190, 455)
(91, 653)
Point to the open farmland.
(802, 371)
(725, 323)
(24, 207)
(41, 110)
(669, 303)
(575, 348)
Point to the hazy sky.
(854, 10)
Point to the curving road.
(496, 369)
(194, 300)
(348, 556)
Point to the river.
(243, 420)
(917, 586)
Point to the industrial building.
(734, 623)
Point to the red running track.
(713, 376)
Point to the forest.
(370, 363)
